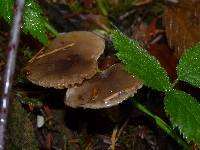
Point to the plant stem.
(163, 125)
(102, 7)
(10, 69)
(174, 83)
(51, 29)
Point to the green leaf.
(140, 63)
(189, 66)
(184, 112)
(6, 10)
(33, 20)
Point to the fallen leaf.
(182, 23)
(166, 58)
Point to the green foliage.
(75, 6)
(33, 20)
(184, 112)
(33, 102)
(27, 52)
(189, 66)
(6, 8)
(183, 109)
(139, 62)
(103, 6)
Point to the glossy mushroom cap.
(68, 60)
(105, 89)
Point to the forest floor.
(164, 28)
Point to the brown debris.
(106, 89)
(113, 138)
(166, 58)
(182, 24)
(68, 60)
(97, 21)
(105, 62)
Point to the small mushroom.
(68, 60)
(105, 89)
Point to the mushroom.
(105, 89)
(68, 60)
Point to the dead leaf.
(166, 57)
(95, 21)
(145, 33)
(88, 3)
(182, 23)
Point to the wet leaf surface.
(188, 68)
(185, 117)
(134, 57)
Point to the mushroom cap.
(105, 89)
(69, 59)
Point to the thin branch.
(9, 69)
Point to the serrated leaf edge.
(175, 125)
(146, 54)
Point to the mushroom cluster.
(70, 61)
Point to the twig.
(9, 69)
(41, 53)
(121, 130)
(116, 134)
(113, 138)
(56, 50)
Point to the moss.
(20, 132)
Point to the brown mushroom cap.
(68, 60)
(105, 89)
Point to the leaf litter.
(68, 128)
(182, 24)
